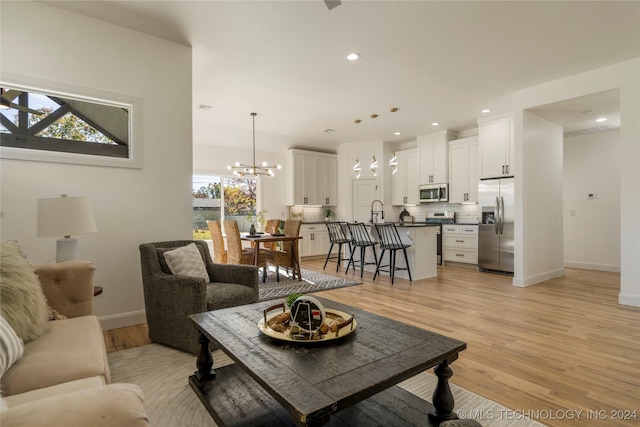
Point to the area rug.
(312, 281)
(162, 373)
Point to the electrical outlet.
(572, 212)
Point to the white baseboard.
(592, 266)
(629, 299)
(537, 278)
(122, 320)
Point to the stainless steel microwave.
(434, 193)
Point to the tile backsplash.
(469, 214)
(464, 213)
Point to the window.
(45, 125)
(219, 197)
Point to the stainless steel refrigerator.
(495, 231)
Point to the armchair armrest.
(68, 286)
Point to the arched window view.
(38, 121)
(226, 198)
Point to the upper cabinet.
(496, 147)
(433, 157)
(463, 170)
(406, 179)
(312, 178)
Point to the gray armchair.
(170, 298)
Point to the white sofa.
(62, 379)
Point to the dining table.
(270, 238)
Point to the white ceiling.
(435, 60)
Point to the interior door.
(365, 191)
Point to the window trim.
(133, 104)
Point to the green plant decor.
(259, 219)
(328, 213)
(292, 297)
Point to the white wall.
(592, 226)
(131, 206)
(542, 204)
(626, 77)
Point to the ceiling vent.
(596, 129)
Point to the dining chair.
(390, 241)
(271, 228)
(337, 237)
(219, 252)
(235, 253)
(285, 256)
(361, 238)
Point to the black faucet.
(374, 212)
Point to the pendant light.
(374, 165)
(356, 167)
(393, 162)
(240, 169)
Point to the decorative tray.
(278, 234)
(339, 324)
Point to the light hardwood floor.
(562, 345)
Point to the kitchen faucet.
(375, 213)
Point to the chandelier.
(240, 169)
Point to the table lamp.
(65, 216)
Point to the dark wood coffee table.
(346, 382)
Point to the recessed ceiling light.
(485, 111)
(435, 124)
(205, 107)
(397, 133)
(353, 56)
(601, 119)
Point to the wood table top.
(314, 379)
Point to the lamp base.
(66, 249)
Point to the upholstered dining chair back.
(291, 228)
(219, 252)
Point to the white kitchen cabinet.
(405, 182)
(312, 178)
(328, 181)
(460, 243)
(496, 143)
(315, 240)
(463, 170)
(433, 157)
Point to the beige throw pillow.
(22, 302)
(187, 261)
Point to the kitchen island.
(422, 254)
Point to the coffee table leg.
(204, 362)
(442, 398)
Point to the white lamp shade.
(65, 216)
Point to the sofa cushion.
(114, 405)
(187, 261)
(223, 295)
(72, 349)
(54, 390)
(11, 346)
(22, 302)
